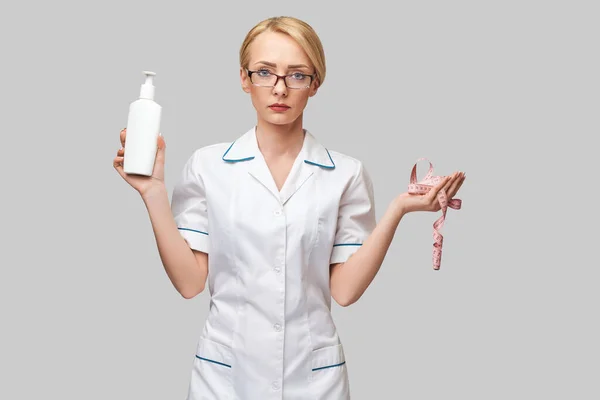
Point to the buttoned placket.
(280, 276)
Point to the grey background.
(506, 91)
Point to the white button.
(275, 385)
(277, 327)
(277, 212)
(277, 269)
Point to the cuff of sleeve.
(197, 240)
(342, 252)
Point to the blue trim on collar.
(332, 166)
(321, 165)
(232, 160)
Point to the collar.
(245, 148)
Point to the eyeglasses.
(265, 78)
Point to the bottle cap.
(147, 90)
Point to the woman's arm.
(187, 269)
(350, 279)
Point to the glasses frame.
(312, 78)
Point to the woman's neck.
(275, 141)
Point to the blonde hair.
(298, 30)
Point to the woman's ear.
(244, 80)
(313, 88)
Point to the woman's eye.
(298, 76)
(263, 72)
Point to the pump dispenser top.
(147, 90)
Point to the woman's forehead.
(279, 49)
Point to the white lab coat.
(269, 333)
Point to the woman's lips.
(279, 108)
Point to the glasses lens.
(263, 78)
(297, 81)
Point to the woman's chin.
(280, 119)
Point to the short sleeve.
(189, 208)
(356, 217)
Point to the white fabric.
(269, 333)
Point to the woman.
(280, 216)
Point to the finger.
(435, 190)
(456, 177)
(458, 185)
(122, 135)
(160, 150)
(450, 182)
(118, 162)
(118, 165)
(452, 191)
(444, 184)
(121, 151)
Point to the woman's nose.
(280, 86)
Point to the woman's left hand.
(429, 202)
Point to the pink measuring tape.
(423, 187)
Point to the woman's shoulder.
(215, 151)
(210, 153)
(344, 158)
(346, 163)
(210, 150)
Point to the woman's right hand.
(142, 183)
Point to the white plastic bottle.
(143, 127)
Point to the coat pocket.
(211, 373)
(329, 379)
